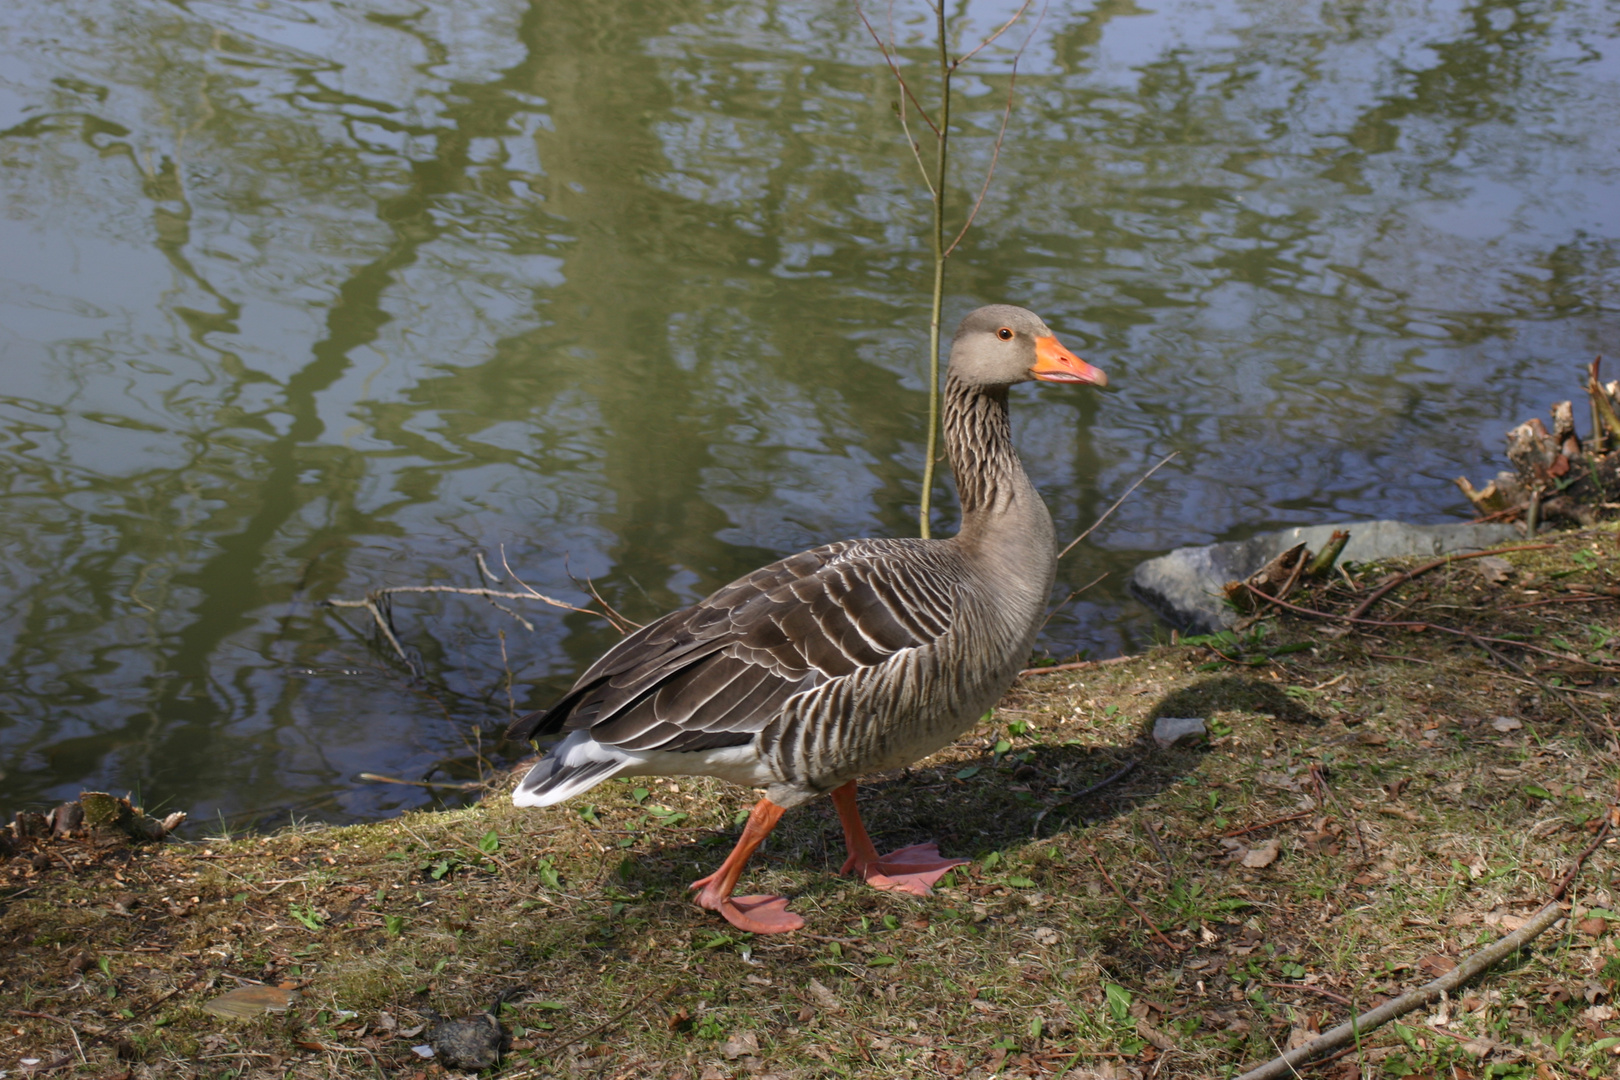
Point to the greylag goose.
(848, 659)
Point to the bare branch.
(468, 591)
(1019, 14)
(1006, 115)
(1065, 601)
(615, 620)
(533, 595)
(883, 47)
(1162, 462)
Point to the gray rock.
(1170, 730)
(1184, 587)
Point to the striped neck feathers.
(978, 437)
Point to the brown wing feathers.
(715, 673)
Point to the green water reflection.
(301, 299)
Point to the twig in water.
(935, 182)
(1139, 480)
(1065, 603)
(378, 778)
(1130, 903)
(1358, 1026)
(370, 604)
(506, 665)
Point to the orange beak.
(1054, 363)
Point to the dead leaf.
(1494, 569)
(1283, 781)
(1263, 855)
(1154, 1035)
(1505, 724)
(825, 997)
(1045, 935)
(740, 1044)
(1592, 927)
(247, 1002)
(1436, 964)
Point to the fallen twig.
(1151, 925)
(1418, 627)
(1082, 793)
(1579, 598)
(1358, 1026)
(1379, 593)
(1301, 816)
(614, 1019)
(1076, 666)
(56, 1019)
(1324, 793)
(1329, 994)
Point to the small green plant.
(666, 816)
(490, 842)
(307, 915)
(547, 872)
(1119, 1002)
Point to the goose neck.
(997, 497)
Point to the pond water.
(304, 298)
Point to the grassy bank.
(1375, 803)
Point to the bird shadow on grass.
(1009, 794)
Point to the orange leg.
(911, 869)
(755, 914)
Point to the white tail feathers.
(575, 765)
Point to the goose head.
(1000, 345)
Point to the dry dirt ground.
(1374, 803)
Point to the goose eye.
(1004, 334)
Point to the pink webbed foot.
(913, 869)
(760, 914)
(755, 914)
